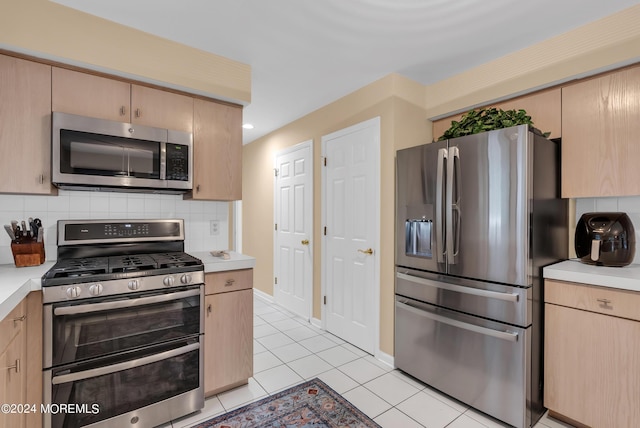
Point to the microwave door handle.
(440, 185)
(119, 304)
(126, 365)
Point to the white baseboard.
(385, 358)
(316, 323)
(263, 296)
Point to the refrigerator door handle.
(440, 203)
(451, 255)
(509, 297)
(455, 206)
(504, 335)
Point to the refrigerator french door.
(477, 219)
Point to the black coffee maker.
(605, 239)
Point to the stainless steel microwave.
(98, 154)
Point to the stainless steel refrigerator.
(478, 217)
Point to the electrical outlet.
(214, 227)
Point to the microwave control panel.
(177, 162)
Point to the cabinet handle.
(604, 302)
(22, 318)
(15, 367)
(41, 179)
(138, 112)
(197, 188)
(209, 308)
(229, 282)
(123, 111)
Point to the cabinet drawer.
(603, 300)
(232, 280)
(11, 325)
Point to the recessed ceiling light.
(247, 126)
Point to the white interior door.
(293, 258)
(351, 214)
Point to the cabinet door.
(162, 109)
(12, 381)
(25, 130)
(592, 367)
(89, 95)
(543, 107)
(228, 338)
(217, 140)
(600, 128)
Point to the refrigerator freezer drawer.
(494, 301)
(479, 362)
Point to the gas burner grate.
(131, 263)
(72, 268)
(177, 259)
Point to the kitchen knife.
(24, 227)
(40, 234)
(9, 230)
(14, 226)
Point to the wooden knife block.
(28, 253)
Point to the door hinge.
(276, 280)
(275, 171)
(325, 300)
(276, 226)
(325, 231)
(325, 161)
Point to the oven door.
(143, 388)
(91, 328)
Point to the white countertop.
(625, 278)
(16, 283)
(218, 264)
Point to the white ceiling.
(305, 54)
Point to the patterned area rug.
(310, 404)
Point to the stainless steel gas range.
(123, 325)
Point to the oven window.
(123, 323)
(94, 154)
(114, 393)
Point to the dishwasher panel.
(477, 361)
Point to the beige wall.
(605, 44)
(399, 104)
(404, 107)
(48, 30)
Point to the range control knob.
(73, 292)
(185, 279)
(95, 289)
(133, 284)
(168, 281)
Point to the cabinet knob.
(22, 318)
(15, 367)
(209, 308)
(197, 188)
(138, 112)
(229, 282)
(123, 110)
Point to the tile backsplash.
(67, 205)
(629, 205)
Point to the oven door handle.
(73, 377)
(504, 335)
(509, 297)
(119, 304)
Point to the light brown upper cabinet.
(544, 107)
(217, 156)
(25, 127)
(95, 96)
(600, 136)
(90, 95)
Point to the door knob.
(368, 251)
(305, 242)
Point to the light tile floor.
(289, 350)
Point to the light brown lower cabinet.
(592, 356)
(228, 330)
(21, 364)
